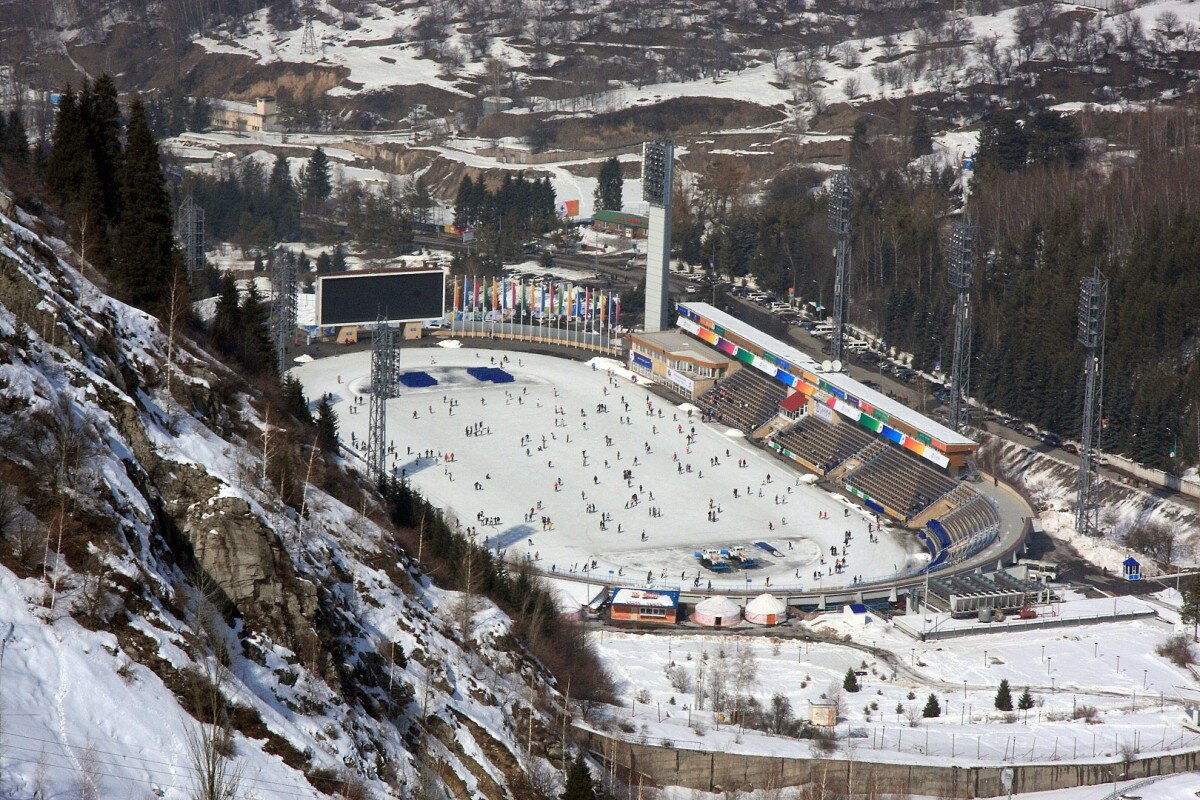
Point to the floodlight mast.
(283, 305)
(385, 357)
(959, 276)
(190, 232)
(657, 179)
(839, 223)
(1093, 306)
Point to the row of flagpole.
(513, 308)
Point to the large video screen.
(352, 299)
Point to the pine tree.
(464, 211)
(417, 200)
(327, 426)
(281, 193)
(608, 185)
(850, 682)
(579, 781)
(859, 143)
(1003, 145)
(227, 319)
(1025, 701)
(338, 262)
(102, 124)
(932, 707)
(294, 400)
(1004, 696)
(144, 252)
(919, 139)
(254, 341)
(324, 263)
(16, 143)
(69, 158)
(1054, 137)
(317, 185)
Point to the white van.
(822, 328)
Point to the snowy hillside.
(153, 576)
(774, 55)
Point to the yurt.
(717, 612)
(766, 609)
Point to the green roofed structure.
(633, 226)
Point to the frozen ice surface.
(501, 477)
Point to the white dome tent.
(766, 609)
(717, 612)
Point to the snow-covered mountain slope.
(152, 573)
(769, 53)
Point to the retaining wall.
(720, 771)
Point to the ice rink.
(592, 475)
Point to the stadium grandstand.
(896, 461)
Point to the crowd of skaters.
(613, 398)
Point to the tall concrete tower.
(657, 167)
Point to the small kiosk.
(1132, 569)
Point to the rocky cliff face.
(162, 563)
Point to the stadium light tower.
(189, 222)
(839, 223)
(283, 305)
(959, 275)
(657, 178)
(1093, 303)
(385, 358)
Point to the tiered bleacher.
(899, 482)
(823, 444)
(974, 516)
(744, 400)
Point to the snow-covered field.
(574, 460)
(1138, 696)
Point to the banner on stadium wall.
(827, 396)
(846, 409)
(641, 360)
(936, 457)
(681, 380)
(870, 423)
